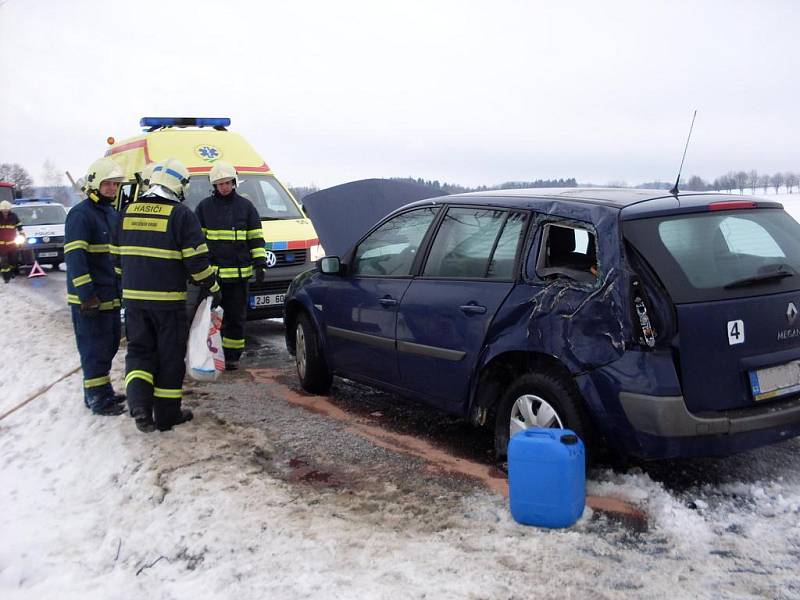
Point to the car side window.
(567, 251)
(389, 251)
(475, 243)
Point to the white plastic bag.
(204, 357)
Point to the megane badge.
(271, 259)
(791, 312)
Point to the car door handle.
(388, 302)
(472, 309)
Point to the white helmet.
(222, 171)
(5, 205)
(172, 175)
(103, 169)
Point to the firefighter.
(160, 247)
(236, 245)
(10, 228)
(93, 284)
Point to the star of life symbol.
(791, 312)
(271, 259)
(209, 153)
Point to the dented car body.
(653, 323)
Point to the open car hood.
(344, 213)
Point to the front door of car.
(446, 311)
(361, 312)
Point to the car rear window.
(718, 255)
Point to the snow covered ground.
(90, 508)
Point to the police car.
(43, 223)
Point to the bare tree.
(17, 175)
(763, 182)
(696, 184)
(51, 176)
(777, 181)
(791, 179)
(752, 180)
(741, 178)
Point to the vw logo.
(46, 239)
(791, 312)
(271, 259)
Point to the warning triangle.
(36, 271)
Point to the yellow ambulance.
(291, 242)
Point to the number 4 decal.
(735, 332)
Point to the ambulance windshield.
(270, 199)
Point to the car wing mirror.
(330, 265)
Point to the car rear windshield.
(270, 199)
(47, 214)
(719, 255)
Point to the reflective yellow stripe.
(232, 344)
(207, 272)
(149, 252)
(117, 270)
(254, 233)
(152, 295)
(215, 287)
(235, 272)
(149, 208)
(113, 249)
(167, 393)
(107, 305)
(81, 280)
(76, 245)
(258, 253)
(144, 224)
(138, 374)
(99, 248)
(96, 382)
(225, 235)
(189, 252)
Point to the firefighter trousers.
(154, 365)
(98, 341)
(234, 305)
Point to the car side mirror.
(329, 265)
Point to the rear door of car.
(734, 278)
(445, 313)
(361, 311)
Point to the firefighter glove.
(90, 307)
(260, 273)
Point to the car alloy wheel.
(300, 351)
(531, 411)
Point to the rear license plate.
(262, 300)
(771, 382)
(48, 254)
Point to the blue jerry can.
(546, 477)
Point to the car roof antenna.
(674, 190)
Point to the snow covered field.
(90, 508)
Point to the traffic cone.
(36, 271)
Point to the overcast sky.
(463, 92)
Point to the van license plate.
(262, 300)
(48, 254)
(772, 382)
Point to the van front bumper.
(664, 427)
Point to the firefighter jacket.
(9, 227)
(233, 234)
(160, 248)
(88, 241)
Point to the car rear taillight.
(732, 205)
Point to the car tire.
(312, 369)
(543, 399)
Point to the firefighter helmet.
(5, 205)
(172, 175)
(221, 172)
(147, 173)
(103, 169)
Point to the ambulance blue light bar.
(155, 122)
